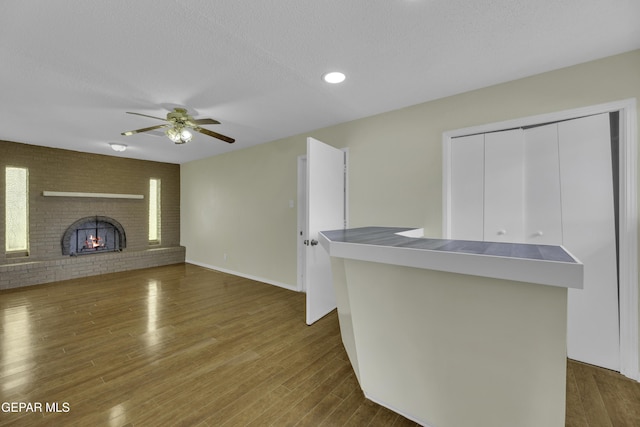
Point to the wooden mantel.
(94, 195)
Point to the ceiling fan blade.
(146, 115)
(132, 132)
(206, 122)
(214, 134)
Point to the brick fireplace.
(74, 237)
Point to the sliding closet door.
(589, 233)
(550, 184)
(503, 186)
(467, 188)
(542, 213)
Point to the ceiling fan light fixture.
(334, 77)
(185, 136)
(179, 135)
(115, 146)
(173, 134)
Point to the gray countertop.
(387, 236)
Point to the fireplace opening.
(101, 237)
(92, 235)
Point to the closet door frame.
(627, 216)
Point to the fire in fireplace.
(99, 237)
(92, 235)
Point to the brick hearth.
(38, 272)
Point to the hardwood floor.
(597, 397)
(176, 345)
(183, 345)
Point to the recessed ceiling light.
(118, 147)
(334, 77)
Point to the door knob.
(314, 242)
(502, 232)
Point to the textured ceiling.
(70, 69)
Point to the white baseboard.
(246, 276)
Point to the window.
(154, 210)
(16, 210)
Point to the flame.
(94, 242)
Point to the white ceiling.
(70, 69)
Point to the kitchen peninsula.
(455, 333)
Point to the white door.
(466, 196)
(302, 223)
(542, 212)
(325, 211)
(589, 233)
(503, 186)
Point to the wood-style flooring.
(598, 397)
(184, 345)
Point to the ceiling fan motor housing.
(180, 116)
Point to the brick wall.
(70, 171)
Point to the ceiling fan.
(179, 123)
